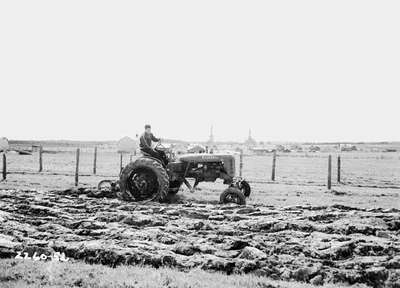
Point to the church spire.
(250, 142)
(211, 139)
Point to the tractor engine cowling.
(207, 159)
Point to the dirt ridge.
(315, 244)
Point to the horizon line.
(216, 142)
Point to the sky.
(287, 70)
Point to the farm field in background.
(367, 169)
(359, 169)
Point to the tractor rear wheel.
(232, 195)
(144, 179)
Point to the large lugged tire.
(232, 195)
(144, 179)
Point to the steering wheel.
(159, 145)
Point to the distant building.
(210, 141)
(4, 146)
(179, 148)
(348, 148)
(296, 148)
(261, 150)
(314, 148)
(126, 145)
(210, 144)
(196, 148)
(250, 142)
(35, 148)
(390, 150)
(281, 148)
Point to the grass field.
(15, 274)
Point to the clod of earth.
(314, 244)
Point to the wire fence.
(354, 169)
(380, 170)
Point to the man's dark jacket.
(145, 140)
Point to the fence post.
(120, 162)
(329, 184)
(95, 161)
(40, 158)
(77, 167)
(273, 166)
(241, 163)
(339, 163)
(4, 166)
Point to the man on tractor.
(146, 141)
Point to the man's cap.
(147, 126)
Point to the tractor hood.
(203, 157)
(228, 160)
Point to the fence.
(71, 162)
(356, 169)
(363, 169)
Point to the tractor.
(148, 178)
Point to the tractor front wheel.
(244, 186)
(233, 195)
